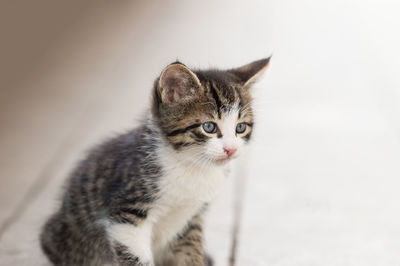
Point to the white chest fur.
(184, 191)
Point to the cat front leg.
(131, 244)
(188, 248)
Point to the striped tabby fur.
(139, 199)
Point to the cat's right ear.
(178, 84)
(249, 74)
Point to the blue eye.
(209, 127)
(241, 127)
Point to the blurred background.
(321, 183)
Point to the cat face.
(206, 115)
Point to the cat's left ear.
(178, 84)
(250, 73)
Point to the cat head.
(206, 115)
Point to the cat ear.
(248, 74)
(178, 84)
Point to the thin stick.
(239, 191)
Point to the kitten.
(139, 199)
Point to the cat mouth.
(223, 160)
(226, 159)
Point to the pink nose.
(229, 151)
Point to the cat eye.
(241, 127)
(209, 127)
